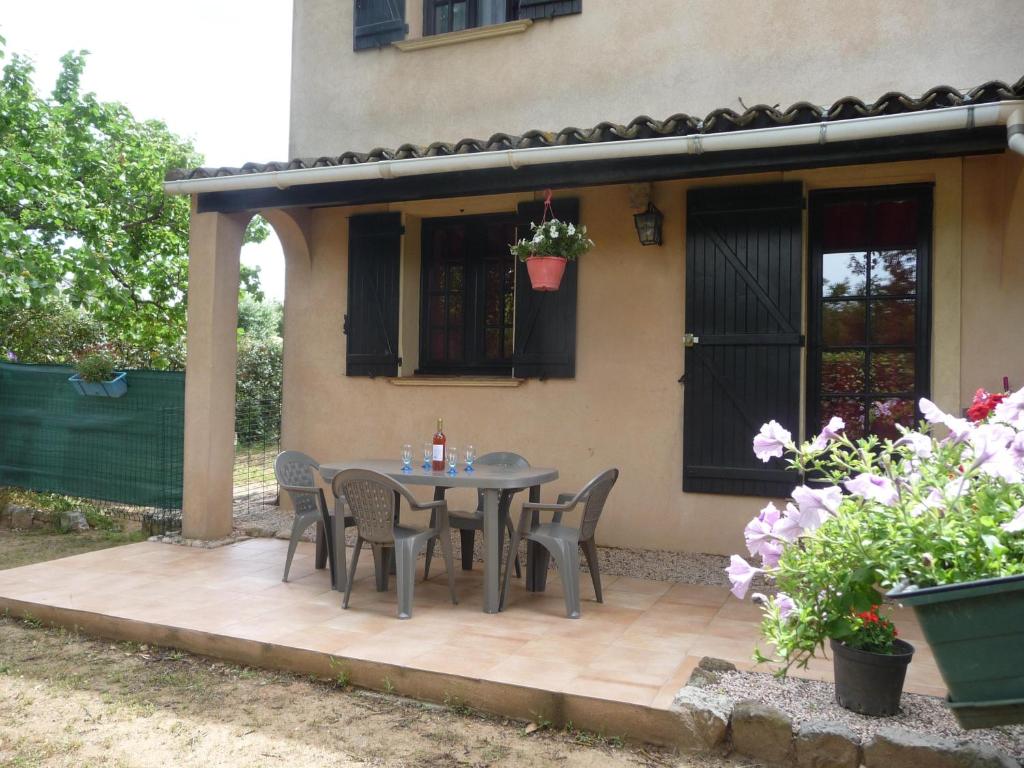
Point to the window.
(468, 280)
(870, 316)
(441, 16)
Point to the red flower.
(983, 404)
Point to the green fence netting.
(127, 449)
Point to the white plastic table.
(491, 480)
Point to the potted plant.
(935, 517)
(551, 244)
(95, 376)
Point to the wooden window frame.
(472, 14)
(921, 347)
(474, 336)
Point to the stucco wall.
(618, 60)
(624, 407)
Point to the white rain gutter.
(1008, 113)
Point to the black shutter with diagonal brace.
(743, 334)
(378, 23)
(371, 322)
(545, 335)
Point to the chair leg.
(381, 566)
(466, 538)
(511, 532)
(293, 542)
(339, 555)
(405, 567)
(507, 580)
(449, 561)
(567, 560)
(352, 571)
(321, 546)
(590, 551)
(328, 530)
(430, 546)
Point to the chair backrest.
(594, 495)
(499, 458)
(373, 500)
(297, 470)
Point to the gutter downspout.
(1009, 113)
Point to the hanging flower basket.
(95, 376)
(552, 243)
(115, 387)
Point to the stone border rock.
(711, 721)
(178, 540)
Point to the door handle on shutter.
(689, 340)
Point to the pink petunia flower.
(1011, 409)
(787, 527)
(1017, 524)
(816, 505)
(828, 433)
(959, 428)
(772, 441)
(920, 444)
(785, 604)
(873, 487)
(741, 573)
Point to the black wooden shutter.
(545, 335)
(546, 9)
(374, 249)
(378, 23)
(743, 305)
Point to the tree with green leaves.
(84, 221)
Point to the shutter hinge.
(682, 379)
(399, 362)
(344, 325)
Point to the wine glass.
(470, 457)
(453, 460)
(428, 455)
(407, 458)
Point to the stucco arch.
(215, 245)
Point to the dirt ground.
(68, 700)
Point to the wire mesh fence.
(257, 443)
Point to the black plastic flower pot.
(975, 630)
(870, 683)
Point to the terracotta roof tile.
(644, 127)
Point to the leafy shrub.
(258, 389)
(95, 367)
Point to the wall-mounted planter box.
(976, 632)
(116, 387)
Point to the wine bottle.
(440, 441)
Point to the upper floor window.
(440, 16)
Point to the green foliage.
(260, 319)
(96, 367)
(553, 238)
(258, 389)
(83, 216)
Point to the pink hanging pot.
(545, 272)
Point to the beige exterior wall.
(624, 407)
(619, 59)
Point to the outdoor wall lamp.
(648, 225)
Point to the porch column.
(215, 242)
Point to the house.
(842, 191)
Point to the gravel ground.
(805, 700)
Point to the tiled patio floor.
(637, 648)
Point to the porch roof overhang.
(929, 133)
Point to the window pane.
(892, 322)
(492, 344)
(459, 15)
(892, 372)
(437, 344)
(894, 272)
(436, 276)
(508, 343)
(895, 224)
(436, 311)
(842, 372)
(455, 345)
(442, 20)
(846, 226)
(842, 323)
(850, 410)
(493, 296)
(886, 414)
(843, 274)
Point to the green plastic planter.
(976, 632)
